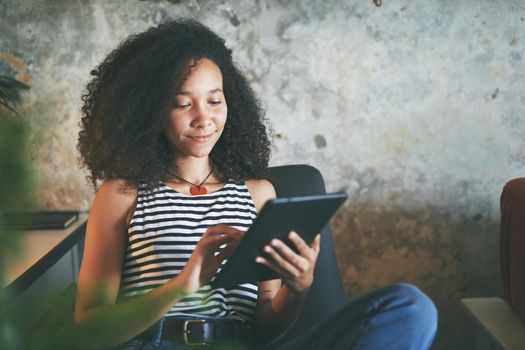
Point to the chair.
(500, 323)
(326, 295)
(512, 244)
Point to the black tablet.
(306, 215)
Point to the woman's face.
(198, 115)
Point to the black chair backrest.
(326, 295)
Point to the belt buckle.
(185, 332)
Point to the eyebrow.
(187, 93)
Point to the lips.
(202, 138)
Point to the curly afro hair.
(128, 101)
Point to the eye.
(182, 105)
(215, 102)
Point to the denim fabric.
(399, 316)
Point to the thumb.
(316, 244)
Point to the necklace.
(195, 189)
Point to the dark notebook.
(39, 220)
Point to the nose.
(202, 117)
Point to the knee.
(418, 308)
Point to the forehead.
(202, 73)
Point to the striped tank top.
(163, 233)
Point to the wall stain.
(320, 141)
(18, 66)
(495, 94)
(234, 20)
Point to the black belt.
(200, 332)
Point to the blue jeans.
(399, 316)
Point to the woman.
(174, 133)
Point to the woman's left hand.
(296, 269)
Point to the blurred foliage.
(10, 93)
(15, 192)
(15, 177)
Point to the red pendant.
(194, 190)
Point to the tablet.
(306, 215)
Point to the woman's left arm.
(279, 301)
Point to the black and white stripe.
(163, 233)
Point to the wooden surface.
(41, 248)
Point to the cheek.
(172, 128)
(224, 116)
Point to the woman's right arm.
(99, 321)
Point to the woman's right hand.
(208, 256)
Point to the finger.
(297, 261)
(307, 251)
(214, 242)
(231, 234)
(299, 243)
(316, 244)
(272, 265)
(280, 260)
(235, 236)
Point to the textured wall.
(415, 108)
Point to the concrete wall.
(415, 108)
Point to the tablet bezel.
(307, 215)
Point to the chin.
(195, 151)
(199, 153)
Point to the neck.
(193, 169)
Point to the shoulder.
(115, 196)
(117, 189)
(261, 191)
